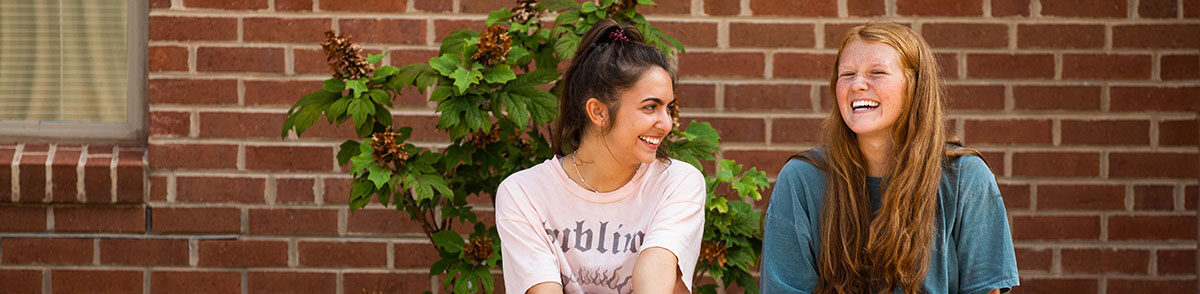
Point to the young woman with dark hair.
(887, 203)
(610, 213)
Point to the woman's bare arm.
(656, 271)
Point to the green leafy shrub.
(492, 102)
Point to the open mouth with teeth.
(651, 140)
(863, 105)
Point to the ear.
(597, 112)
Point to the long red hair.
(860, 253)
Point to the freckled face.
(870, 87)
(643, 119)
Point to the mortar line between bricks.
(717, 113)
(218, 76)
(341, 273)
(1129, 198)
(49, 167)
(293, 251)
(193, 252)
(1180, 198)
(1153, 262)
(191, 58)
(698, 49)
(1132, 12)
(453, 16)
(96, 251)
(80, 173)
(1078, 245)
(47, 281)
(1105, 275)
(15, 172)
(146, 281)
(112, 174)
(1056, 261)
(283, 45)
(50, 219)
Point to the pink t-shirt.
(553, 230)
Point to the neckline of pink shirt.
(598, 197)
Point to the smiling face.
(643, 118)
(870, 87)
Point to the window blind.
(63, 60)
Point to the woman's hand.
(656, 271)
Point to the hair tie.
(617, 35)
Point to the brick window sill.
(91, 174)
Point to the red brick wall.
(1086, 111)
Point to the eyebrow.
(655, 99)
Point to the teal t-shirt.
(972, 250)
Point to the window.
(72, 70)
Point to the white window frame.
(132, 131)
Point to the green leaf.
(360, 110)
(456, 41)
(556, 5)
(384, 72)
(375, 58)
(445, 64)
(380, 96)
(728, 168)
(485, 278)
(606, 3)
(379, 175)
(426, 79)
(646, 2)
(542, 106)
(449, 240)
(750, 183)
(569, 16)
(358, 86)
(498, 16)
(700, 143)
(718, 203)
(334, 85)
(440, 266)
(307, 117)
(407, 75)
(321, 96)
(517, 110)
(364, 159)
(588, 7)
(360, 194)
(428, 183)
(537, 77)
(499, 74)
(566, 46)
(348, 150)
(337, 109)
(404, 132)
(441, 93)
(382, 115)
(465, 78)
(517, 52)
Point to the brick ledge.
(60, 173)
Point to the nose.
(858, 84)
(663, 121)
